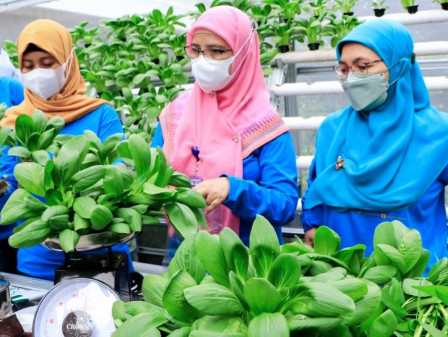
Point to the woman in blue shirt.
(224, 134)
(54, 85)
(385, 156)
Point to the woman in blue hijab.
(385, 156)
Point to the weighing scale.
(77, 307)
(110, 267)
(86, 286)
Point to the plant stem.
(443, 310)
(418, 332)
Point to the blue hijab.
(392, 154)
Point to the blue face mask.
(366, 93)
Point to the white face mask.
(46, 82)
(214, 75)
(211, 76)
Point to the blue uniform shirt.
(428, 216)
(268, 187)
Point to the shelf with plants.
(135, 62)
(138, 62)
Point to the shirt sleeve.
(275, 194)
(157, 138)
(110, 123)
(311, 217)
(7, 164)
(17, 92)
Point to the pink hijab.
(226, 126)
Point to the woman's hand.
(309, 237)
(214, 191)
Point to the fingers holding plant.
(215, 192)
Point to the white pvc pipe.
(334, 87)
(300, 123)
(304, 162)
(420, 49)
(421, 17)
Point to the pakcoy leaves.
(187, 259)
(16, 208)
(74, 172)
(223, 300)
(212, 257)
(326, 241)
(269, 324)
(264, 246)
(31, 176)
(174, 299)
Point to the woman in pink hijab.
(224, 134)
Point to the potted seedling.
(311, 29)
(285, 8)
(379, 7)
(282, 35)
(410, 6)
(85, 36)
(443, 4)
(316, 8)
(261, 15)
(345, 6)
(160, 22)
(338, 27)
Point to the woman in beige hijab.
(53, 84)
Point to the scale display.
(78, 307)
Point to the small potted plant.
(312, 31)
(338, 27)
(410, 5)
(282, 35)
(346, 6)
(317, 7)
(379, 7)
(443, 4)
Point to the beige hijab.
(70, 103)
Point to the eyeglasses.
(359, 69)
(210, 54)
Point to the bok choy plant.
(78, 191)
(216, 286)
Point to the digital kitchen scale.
(77, 307)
